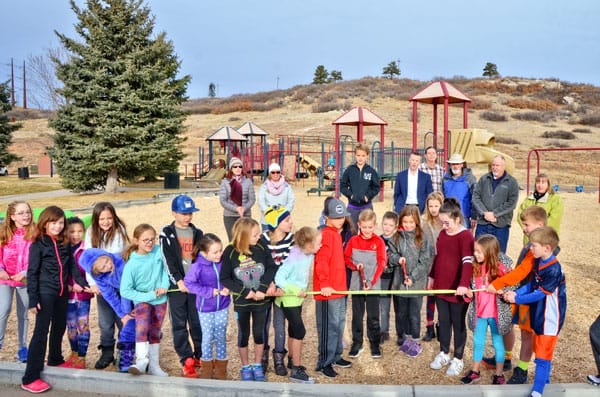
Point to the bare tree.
(43, 84)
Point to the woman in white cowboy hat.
(459, 182)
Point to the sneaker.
(299, 376)
(189, 368)
(259, 373)
(594, 380)
(518, 377)
(490, 363)
(455, 368)
(355, 351)
(247, 373)
(440, 361)
(471, 377)
(375, 352)
(328, 371)
(22, 354)
(406, 345)
(342, 363)
(498, 380)
(415, 349)
(37, 386)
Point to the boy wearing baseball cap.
(329, 276)
(177, 242)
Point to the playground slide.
(312, 166)
(477, 146)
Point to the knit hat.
(235, 161)
(274, 167)
(274, 215)
(336, 209)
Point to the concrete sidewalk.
(117, 384)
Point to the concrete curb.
(114, 383)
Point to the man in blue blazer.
(412, 186)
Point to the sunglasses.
(275, 172)
(236, 166)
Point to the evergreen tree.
(6, 127)
(212, 90)
(490, 70)
(336, 75)
(391, 70)
(321, 75)
(123, 117)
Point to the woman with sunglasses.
(274, 192)
(236, 195)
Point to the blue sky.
(251, 46)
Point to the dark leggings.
(451, 317)
(296, 327)
(258, 315)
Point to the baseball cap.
(336, 209)
(183, 204)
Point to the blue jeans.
(331, 320)
(479, 339)
(408, 316)
(501, 234)
(6, 294)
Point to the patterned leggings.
(78, 325)
(148, 321)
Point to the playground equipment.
(477, 146)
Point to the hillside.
(523, 114)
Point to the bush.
(480, 104)
(324, 107)
(592, 119)
(507, 141)
(234, 118)
(582, 130)
(559, 134)
(541, 104)
(493, 116)
(557, 144)
(543, 117)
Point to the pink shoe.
(37, 386)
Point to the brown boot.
(206, 370)
(220, 370)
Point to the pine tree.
(321, 75)
(490, 70)
(391, 70)
(123, 117)
(6, 127)
(335, 75)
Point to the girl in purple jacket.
(212, 302)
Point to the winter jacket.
(242, 273)
(461, 188)
(418, 260)
(77, 252)
(330, 268)
(501, 201)
(393, 255)
(553, 205)
(293, 277)
(108, 283)
(202, 280)
(265, 199)
(143, 275)
(50, 265)
(248, 197)
(14, 257)
(356, 184)
(371, 252)
(116, 246)
(171, 251)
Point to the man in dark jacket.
(177, 242)
(412, 186)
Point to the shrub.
(480, 104)
(582, 130)
(592, 119)
(557, 144)
(507, 140)
(541, 104)
(323, 107)
(233, 106)
(559, 134)
(543, 117)
(493, 116)
(234, 118)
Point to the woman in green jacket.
(545, 197)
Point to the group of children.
(267, 275)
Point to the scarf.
(275, 188)
(537, 195)
(236, 190)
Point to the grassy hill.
(523, 114)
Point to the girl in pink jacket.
(16, 235)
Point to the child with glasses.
(274, 192)
(16, 234)
(145, 282)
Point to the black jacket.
(47, 273)
(171, 251)
(357, 184)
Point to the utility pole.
(24, 88)
(12, 83)
(277, 87)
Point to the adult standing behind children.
(595, 341)
(459, 183)
(275, 191)
(16, 234)
(544, 196)
(177, 242)
(329, 276)
(107, 231)
(236, 195)
(494, 199)
(412, 186)
(431, 167)
(359, 183)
